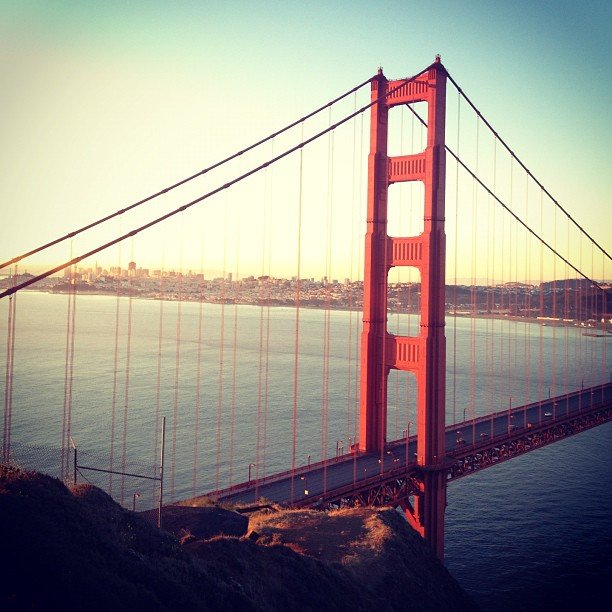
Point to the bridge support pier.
(425, 354)
(427, 514)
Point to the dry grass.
(329, 537)
(335, 537)
(375, 547)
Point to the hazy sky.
(105, 102)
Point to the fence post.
(161, 474)
(74, 462)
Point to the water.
(535, 533)
(529, 534)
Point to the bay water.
(534, 533)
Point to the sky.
(105, 103)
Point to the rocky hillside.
(79, 550)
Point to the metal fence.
(133, 484)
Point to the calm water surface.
(531, 534)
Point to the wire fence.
(136, 485)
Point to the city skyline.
(208, 274)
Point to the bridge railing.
(320, 465)
(405, 472)
(298, 471)
(521, 432)
(521, 409)
(361, 485)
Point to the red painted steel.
(374, 371)
(424, 355)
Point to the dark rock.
(202, 523)
(253, 536)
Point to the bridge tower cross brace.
(425, 354)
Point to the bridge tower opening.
(425, 354)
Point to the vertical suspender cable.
(566, 317)
(266, 378)
(126, 394)
(260, 386)
(510, 365)
(527, 310)
(115, 378)
(594, 316)
(68, 370)
(512, 295)
(260, 381)
(160, 337)
(577, 359)
(198, 383)
(502, 342)
(579, 315)
(221, 350)
(70, 373)
(65, 439)
(491, 258)
(474, 225)
(236, 298)
(268, 263)
(357, 319)
(541, 335)
(455, 263)
(493, 240)
(554, 314)
(177, 360)
(486, 361)
(8, 388)
(264, 332)
(327, 309)
(260, 370)
(297, 323)
(605, 312)
(507, 256)
(349, 369)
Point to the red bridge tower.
(425, 354)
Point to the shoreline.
(542, 321)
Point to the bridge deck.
(350, 473)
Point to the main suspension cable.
(506, 207)
(185, 180)
(525, 168)
(184, 207)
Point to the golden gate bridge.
(506, 227)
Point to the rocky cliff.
(79, 550)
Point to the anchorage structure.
(425, 354)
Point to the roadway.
(310, 482)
